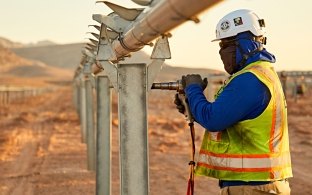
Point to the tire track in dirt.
(29, 163)
(29, 134)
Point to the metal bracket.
(125, 13)
(161, 49)
(111, 35)
(90, 56)
(160, 52)
(113, 21)
(153, 69)
(87, 69)
(111, 71)
(105, 50)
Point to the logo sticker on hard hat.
(225, 25)
(238, 21)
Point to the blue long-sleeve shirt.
(245, 97)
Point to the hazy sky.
(289, 28)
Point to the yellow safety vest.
(255, 149)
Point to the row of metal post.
(96, 131)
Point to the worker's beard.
(228, 57)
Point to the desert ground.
(41, 152)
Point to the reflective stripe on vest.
(225, 156)
(277, 111)
(244, 163)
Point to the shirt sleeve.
(245, 97)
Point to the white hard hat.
(239, 21)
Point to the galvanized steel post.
(90, 117)
(104, 136)
(76, 96)
(83, 108)
(132, 110)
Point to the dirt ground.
(41, 151)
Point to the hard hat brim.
(214, 40)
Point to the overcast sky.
(289, 28)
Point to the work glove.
(179, 104)
(193, 79)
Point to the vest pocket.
(217, 146)
(216, 142)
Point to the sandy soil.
(41, 150)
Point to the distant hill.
(6, 43)
(9, 44)
(62, 56)
(19, 71)
(9, 58)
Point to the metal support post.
(76, 96)
(83, 110)
(104, 136)
(132, 98)
(90, 122)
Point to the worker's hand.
(194, 79)
(179, 104)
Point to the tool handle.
(188, 115)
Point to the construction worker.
(245, 145)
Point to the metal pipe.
(163, 17)
(104, 137)
(166, 86)
(177, 86)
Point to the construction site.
(102, 120)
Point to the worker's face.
(228, 56)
